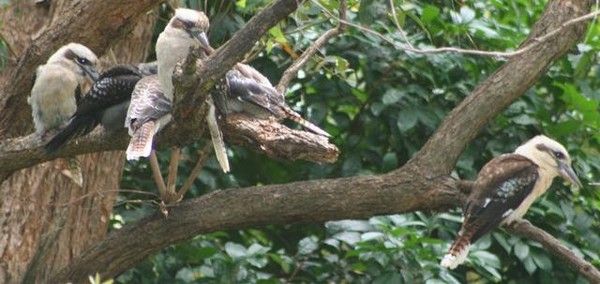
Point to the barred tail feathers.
(291, 114)
(140, 144)
(217, 138)
(458, 252)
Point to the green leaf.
(502, 241)
(277, 34)
(429, 14)
(308, 245)
(392, 96)
(487, 258)
(529, 265)
(542, 260)
(521, 250)
(390, 161)
(467, 14)
(372, 236)
(407, 119)
(235, 251)
(350, 238)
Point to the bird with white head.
(58, 84)
(150, 107)
(505, 189)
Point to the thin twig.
(398, 26)
(202, 157)
(173, 166)
(526, 229)
(158, 179)
(500, 54)
(291, 72)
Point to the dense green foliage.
(381, 104)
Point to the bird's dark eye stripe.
(83, 61)
(188, 25)
(559, 155)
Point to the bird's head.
(550, 156)
(78, 58)
(192, 26)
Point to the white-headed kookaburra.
(247, 90)
(506, 187)
(57, 86)
(150, 107)
(106, 102)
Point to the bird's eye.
(559, 155)
(83, 61)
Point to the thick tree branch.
(301, 202)
(526, 229)
(277, 140)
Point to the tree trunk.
(45, 218)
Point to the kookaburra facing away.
(152, 97)
(106, 102)
(247, 90)
(57, 86)
(506, 187)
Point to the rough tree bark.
(41, 227)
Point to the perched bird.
(57, 86)
(186, 29)
(152, 97)
(506, 187)
(106, 102)
(148, 112)
(247, 90)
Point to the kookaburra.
(247, 90)
(152, 97)
(57, 86)
(506, 187)
(106, 102)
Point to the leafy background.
(381, 104)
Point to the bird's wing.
(78, 97)
(249, 72)
(247, 84)
(250, 90)
(147, 102)
(502, 185)
(114, 87)
(121, 70)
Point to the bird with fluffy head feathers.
(505, 189)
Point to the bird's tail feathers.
(458, 252)
(291, 114)
(140, 144)
(78, 126)
(217, 138)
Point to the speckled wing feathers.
(114, 87)
(147, 102)
(245, 84)
(148, 112)
(501, 186)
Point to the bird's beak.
(91, 72)
(203, 39)
(567, 172)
